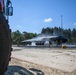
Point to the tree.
(29, 35)
(68, 33)
(17, 37)
(47, 31)
(74, 35)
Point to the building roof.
(40, 38)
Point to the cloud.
(19, 26)
(74, 23)
(48, 20)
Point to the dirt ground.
(42, 61)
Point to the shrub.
(64, 47)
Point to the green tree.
(29, 35)
(74, 35)
(17, 37)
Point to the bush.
(64, 47)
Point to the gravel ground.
(43, 61)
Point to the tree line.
(68, 33)
(17, 36)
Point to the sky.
(33, 15)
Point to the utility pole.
(61, 23)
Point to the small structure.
(44, 40)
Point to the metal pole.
(61, 23)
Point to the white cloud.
(48, 20)
(74, 23)
(19, 26)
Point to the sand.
(42, 61)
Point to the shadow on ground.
(18, 70)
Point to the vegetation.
(17, 36)
(68, 33)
